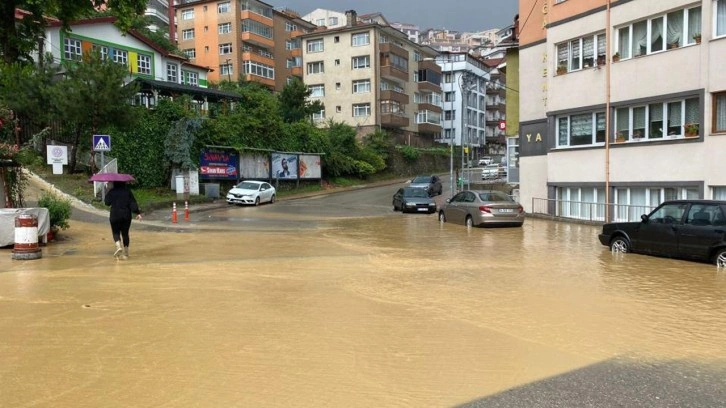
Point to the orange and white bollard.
(186, 210)
(173, 214)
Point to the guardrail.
(587, 211)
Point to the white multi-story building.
(411, 30)
(621, 102)
(326, 18)
(464, 85)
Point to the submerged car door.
(704, 228)
(658, 234)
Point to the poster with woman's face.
(309, 166)
(284, 166)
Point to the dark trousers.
(120, 229)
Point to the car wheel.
(257, 201)
(442, 216)
(272, 199)
(469, 222)
(720, 258)
(620, 244)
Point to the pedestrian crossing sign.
(101, 143)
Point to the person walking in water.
(123, 204)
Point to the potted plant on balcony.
(697, 38)
(691, 129)
(616, 57)
(620, 137)
(561, 69)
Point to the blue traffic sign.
(101, 143)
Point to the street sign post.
(102, 143)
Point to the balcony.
(429, 128)
(391, 95)
(426, 106)
(431, 65)
(296, 71)
(296, 52)
(257, 57)
(257, 40)
(394, 49)
(391, 72)
(394, 120)
(425, 86)
(261, 80)
(249, 15)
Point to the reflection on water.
(399, 310)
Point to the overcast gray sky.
(456, 15)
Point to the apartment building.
(411, 30)
(372, 76)
(622, 102)
(464, 85)
(157, 11)
(325, 18)
(246, 39)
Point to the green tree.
(294, 103)
(93, 95)
(19, 39)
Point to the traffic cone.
(173, 214)
(186, 210)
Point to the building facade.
(372, 77)
(622, 103)
(243, 39)
(464, 86)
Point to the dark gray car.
(413, 199)
(432, 184)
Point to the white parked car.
(491, 171)
(484, 161)
(251, 192)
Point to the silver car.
(482, 208)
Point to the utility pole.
(467, 81)
(229, 71)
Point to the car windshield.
(246, 185)
(421, 180)
(415, 192)
(495, 196)
(492, 166)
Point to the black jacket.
(122, 202)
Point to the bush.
(59, 210)
(409, 153)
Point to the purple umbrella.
(105, 177)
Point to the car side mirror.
(644, 218)
(448, 200)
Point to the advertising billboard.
(217, 164)
(284, 165)
(254, 165)
(310, 167)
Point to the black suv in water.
(687, 229)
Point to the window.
(316, 67)
(226, 69)
(428, 117)
(102, 51)
(225, 48)
(338, 109)
(315, 45)
(317, 91)
(144, 63)
(320, 22)
(448, 78)
(293, 44)
(362, 86)
(190, 78)
(336, 39)
(581, 129)
(719, 112)
(333, 21)
(360, 39)
(223, 7)
(720, 17)
(361, 62)
(319, 116)
(337, 86)
(718, 193)
(581, 53)
(294, 62)
(290, 26)
(394, 107)
(673, 118)
(417, 56)
(188, 34)
(671, 30)
(449, 115)
(121, 56)
(224, 28)
(172, 73)
(72, 49)
(449, 96)
(261, 70)
(190, 53)
(337, 62)
(361, 109)
(187, 14)
(255, 27)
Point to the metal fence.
(588, 211)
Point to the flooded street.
(280, 306)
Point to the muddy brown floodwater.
(380, 311)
